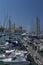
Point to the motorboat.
(16, 57)
(16, 61)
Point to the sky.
(22, 12)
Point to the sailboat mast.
(9, 28)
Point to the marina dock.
(32, 52)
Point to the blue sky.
(22, 12)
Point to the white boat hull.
(18, 63)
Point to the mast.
(9, 28)
(37, 26)
(14, 27)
